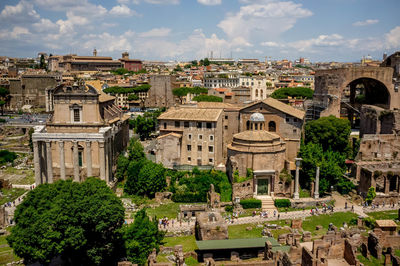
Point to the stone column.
(62, 160)
(296, 182)
(49, 163)
(36, 159)
(102, 161)
(89, 158)
(316, 193)
(76, 161)
(107, 161)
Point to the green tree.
(133, 97)
(194, 63)
(144, 126)
(141, 237)
(297, 92)
(206, 62)
(42, 64)
(122, 167)
(207, 98)
(370, 195)
(330, 132)
(4, 98)
(7, 156)
(81, 222)
(151, 179)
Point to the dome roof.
(257, 117)
(258, 136)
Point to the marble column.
(102, 161)
(62, 160)
(296, 181)
(49, 163)
(316, 191)
(36, 159)
(89, 158)
(107, 162)
(76, 161)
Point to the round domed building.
(262, 151)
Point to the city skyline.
(330, 30)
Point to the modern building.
(83, 137)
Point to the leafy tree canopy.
(207, 98)
(80, 222)
(120, 90)
(183, 91)
(7, 156)
(330, 132)
(133, 97)
(141, 237)
(294, 92)
(124, 71)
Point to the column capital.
(61, 143)
(47, 142)
(88, 143)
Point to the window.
(209, 125)
(77, 115)
(287, 119)
(211, 137)
(294, 130)
(189, 136)
(295, 120)
(210, 148)
(256, 93)
(80, 158)
(186, 124)
(211, 160)
(199, 148)
(199, 161)
(200, 137)
(165, 125)
(248, 125)
(189, 159)
(226, 127)
(189, 147)
(226, 117)
(271, 126)
(256, 126)
(177, 123)
(198, 124)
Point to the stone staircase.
(267, 204)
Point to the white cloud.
(393, 38)
(320, 41)
(156, 32)
(210, 2)
(122, 10)
(263, 19)
(365, 22)
(157, 2)
(45, 25)
(269, 44)
(22, 12)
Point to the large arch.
(331, 84)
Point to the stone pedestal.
(316, 193)
(296, 183)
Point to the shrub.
(250, 203)
(353, 221)
(369, 222)
(188, 197)
(7, 156)
(370, 195)
(344, 186)
(282, 203)
(229, 208)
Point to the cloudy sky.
(322, 30)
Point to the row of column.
(44, 163)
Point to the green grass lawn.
(10, 194)
(169, 210)
(372, 261)
(6, 253)
(239, 230)
(290, 209)
(385, 215)
(337, 219)
(188, 242)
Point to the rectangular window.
(226, 117)
(189, 136)
(226, 127)
(209, 125)
(189, 147)
(77, 115)
(211, 160)
(199, 148)
(189, 159)
(200, 137)
(177, 123)
(165, 125)
(211, 137)
(287, 119)
(199, 161)
(210, 148)
(294, 130)
(80, 159)
(199, 124)
(186, 124)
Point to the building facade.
(83, 138)
(160, 93)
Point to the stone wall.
(243, 190)
(160, 93)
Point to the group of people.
(373, 206)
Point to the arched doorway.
(359, 92)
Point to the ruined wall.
(160, 93)
(243, 190)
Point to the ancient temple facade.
(83, 137)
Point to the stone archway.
(330, 85)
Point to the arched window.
(261, 126)
(256, 93)
(256, 126)
(271, 126)
(261, 93)
(248, 125)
